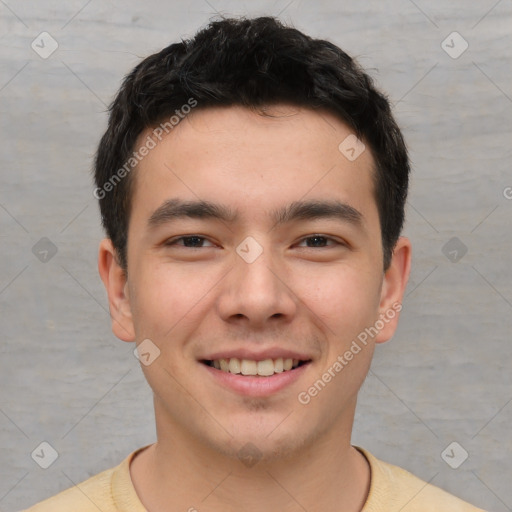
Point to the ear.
(393, 287)
(115, 280)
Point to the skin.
(314, 297)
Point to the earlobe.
(393, 288)
(116, 284)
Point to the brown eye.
(319, 241)
(190, 241)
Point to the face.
(253, 240)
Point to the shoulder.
(109, 491)
(88, 496)
(393, 488)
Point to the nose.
(257, 293)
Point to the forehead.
(255, 162)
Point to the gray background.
(445, 377)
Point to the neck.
(177, 473)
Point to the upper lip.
(271, 353)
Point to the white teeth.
(249, 367)
(234, 365)
(264, 368)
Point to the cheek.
(344, 298)
(169, 299)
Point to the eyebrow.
(173, 209)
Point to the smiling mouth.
(265, 368)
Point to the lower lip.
(256, 386)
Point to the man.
(252, 184)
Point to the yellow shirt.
(392, 489)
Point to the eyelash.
(173, 242)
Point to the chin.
(256, 443)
